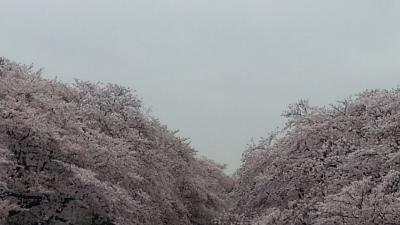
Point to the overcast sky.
(220, 71)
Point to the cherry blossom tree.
(88, 154)
(325, 161)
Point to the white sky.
(220, 71)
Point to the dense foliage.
(330, 166)
(87, 154)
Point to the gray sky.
(220, 71)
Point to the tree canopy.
(330, 165)
(87, 153)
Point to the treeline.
(336, 165)
(88, 154)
